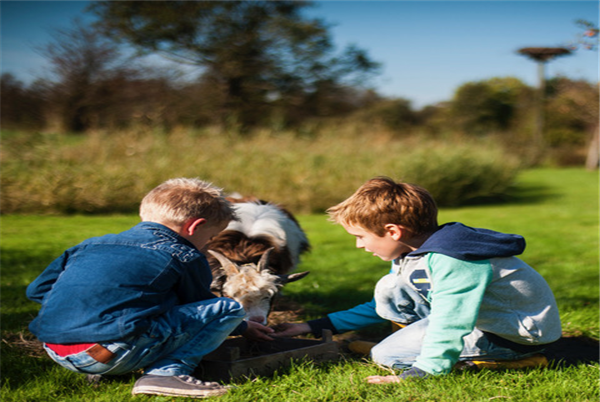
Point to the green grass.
(555, 209)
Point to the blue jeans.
(399, 302)
(175, 343)
(401, 349)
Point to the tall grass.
(110, 172)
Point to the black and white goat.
(253, 258)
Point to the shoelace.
(195, 381)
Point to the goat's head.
(253, 285)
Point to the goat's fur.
(256, 254)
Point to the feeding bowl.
(238, 357)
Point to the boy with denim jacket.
(141, 298)
(460, 293)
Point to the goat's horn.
(283, 279)
(264, 260)
(229, 267)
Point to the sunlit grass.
(555, 209)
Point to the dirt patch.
(285, 310)
(26, 343)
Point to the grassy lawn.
(555, 209)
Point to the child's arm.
(357, 317)
(458, 289)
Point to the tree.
(589, 39)
(486, 106)
(572, 110)
(19, 106)
(395, 114)
(256, 52)
(542, 55)
(80, 60)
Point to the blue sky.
(427, 48)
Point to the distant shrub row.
(110, 173)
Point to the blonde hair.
(177, 200)
(381, 201)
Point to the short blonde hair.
(381, 201)
(177, 200)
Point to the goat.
(252, 259)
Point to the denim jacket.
(111, 287)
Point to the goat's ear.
(217, 285)
(283, 279)
(264, 260)
(229, 267)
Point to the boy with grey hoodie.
(459, 293)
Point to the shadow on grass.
(573, 350)
(18, 311)
(531, 194)
(524, 194)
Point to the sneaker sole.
(150, 390)
(535, 361)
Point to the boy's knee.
(390, 355)
(378, 354)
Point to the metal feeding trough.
(238, 357)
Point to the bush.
(461, 174)
(103, 173)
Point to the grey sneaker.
(181, 385)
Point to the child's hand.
(258, 332)
(288, 329)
